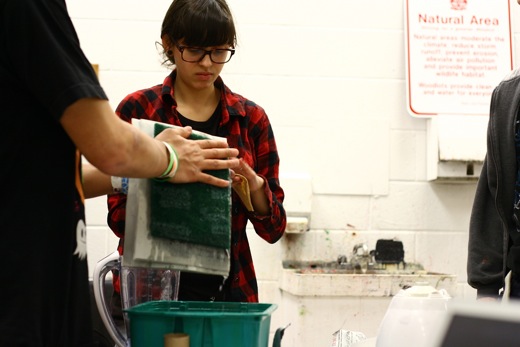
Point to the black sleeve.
(43, 56)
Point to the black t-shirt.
(44, 291)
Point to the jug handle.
(101, 269)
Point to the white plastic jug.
(138, 285)
(413, 317)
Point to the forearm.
(113, 146)
(259, 199)
(95, 182)
(271, 227)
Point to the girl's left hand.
(255, 182)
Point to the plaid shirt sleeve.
(271, 227)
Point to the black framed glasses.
(196, 54)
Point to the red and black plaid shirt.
(246, 127)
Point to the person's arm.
(95, 182)
(268, 218)
(485, 246)
(486, 257)
(117, 148)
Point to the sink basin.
(320, 278)
(321, 296)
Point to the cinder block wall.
(331, 76)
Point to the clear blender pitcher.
(138, 285)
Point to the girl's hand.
(256, 182)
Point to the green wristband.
(173, 161)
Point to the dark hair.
(200, 23)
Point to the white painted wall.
(331, 76)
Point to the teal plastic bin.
(209, 324)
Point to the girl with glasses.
(198, 38)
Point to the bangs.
(210, 30)
(202, 25)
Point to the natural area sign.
(457, 51)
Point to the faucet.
(360, 249)
(342, 260)
(361, 257)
